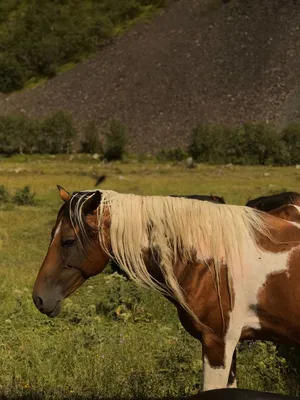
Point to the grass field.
(112, 339)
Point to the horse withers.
(231, 271)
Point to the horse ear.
(64, 195)
(92, 203)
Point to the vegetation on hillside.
(245, 144)
(38, 36)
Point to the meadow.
(112, 339)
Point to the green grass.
(88, 350)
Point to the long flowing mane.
(174, 229)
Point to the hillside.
(196, 61)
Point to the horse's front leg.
(217, 362)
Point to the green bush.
(57, 134)
(12, 134)
(4, 195)
(291, 138)
(11, 73)
(251, 143)
(207, 144)
(91, 142)
(115, 141)
(264, 145)
(24, 197)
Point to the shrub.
(4, 195)
(263, 145)
(247, 144)
(291, 138)
(11, 73)
(91, 142)
(57, 134)
(115, 141)
(24, 197)
(207, 144)
(12, 134)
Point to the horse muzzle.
(50, 307)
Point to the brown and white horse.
(232, 272)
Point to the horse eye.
(68, 243)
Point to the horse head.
(71, 257)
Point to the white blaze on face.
(56, 233)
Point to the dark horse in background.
(269, 203)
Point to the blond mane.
(175, 228)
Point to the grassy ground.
(112, 338)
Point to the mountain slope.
(235, 62)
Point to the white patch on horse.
(295, 224)
(257, 265)
(297, 208)
(56, 233)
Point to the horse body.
(232, 272)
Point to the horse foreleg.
(232, 380)
(217, 362)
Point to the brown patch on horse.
(199, 285)
(285, 235)
(288, 212)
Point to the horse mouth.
(53, 313)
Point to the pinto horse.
(269, 203)
(231, 271)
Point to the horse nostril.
(38, 302)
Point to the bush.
(24, 197)
(91, 142)
(115, 141)
(264, 145)
(11, 74)
(57, 134)
(12, 134)
(247, 144)
(291, 138)
(207, 144)
(4, 195)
